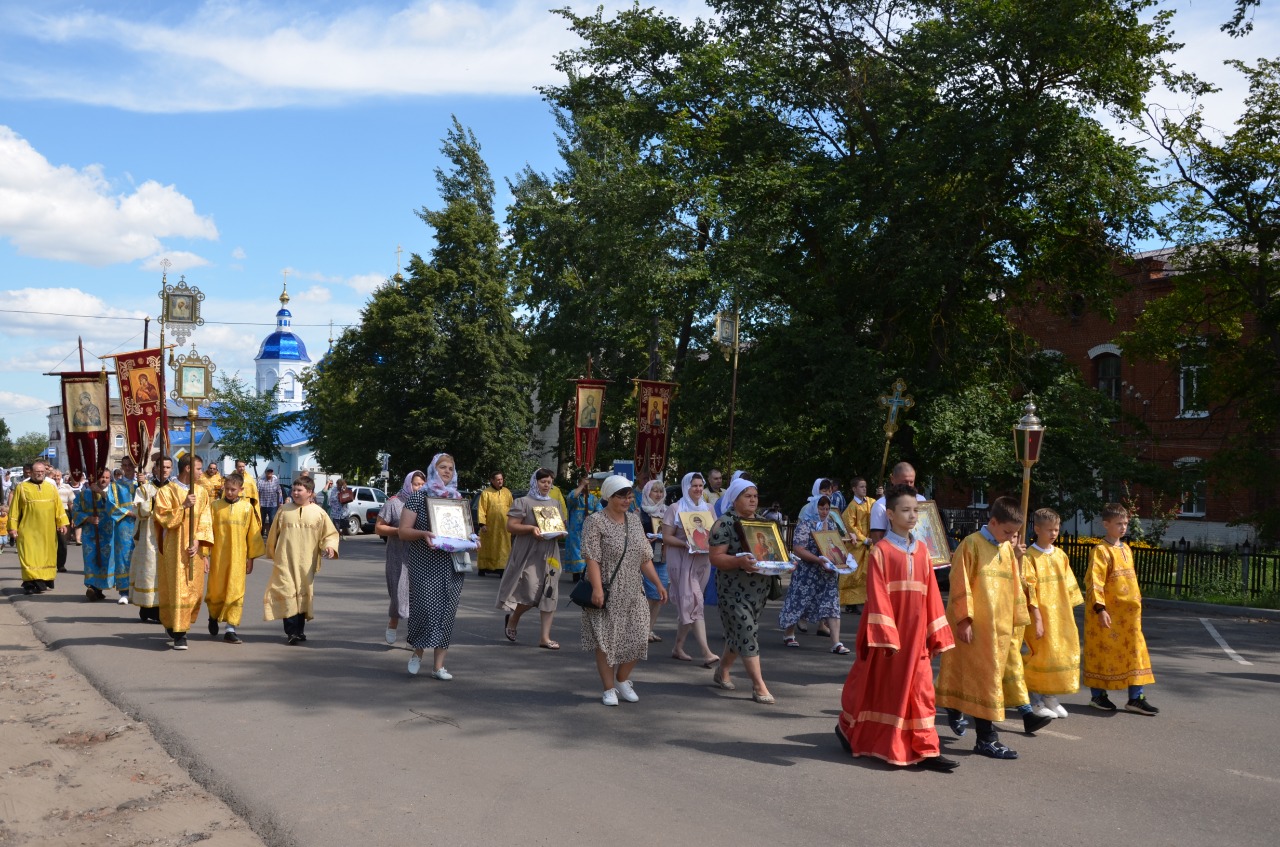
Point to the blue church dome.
(282, 344)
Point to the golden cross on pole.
(399, 250)
(897, 402)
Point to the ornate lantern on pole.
(727, 337)
(193, 385)
(1028, 437)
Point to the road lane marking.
(1253, 775)
(1057, 734)
(1222, 642)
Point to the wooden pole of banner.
(733, 391)
(80, 344)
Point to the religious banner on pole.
(586, 426)
(86, 415)
(141, 379)
(653, 411)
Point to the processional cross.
(897, 402)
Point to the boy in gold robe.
(181, 564)
(237, 541)
(1052, 662)
(857, 520)
(37, 517)
(249, 490)
(987, 608)
(301, 534)
(1115, 651)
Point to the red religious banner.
(586, 426)
(653, 409)
(86, 415)
(141, 378)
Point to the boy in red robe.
(887, 706)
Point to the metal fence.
(1182, 572)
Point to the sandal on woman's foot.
(712, 662)
(764, 699)
(722, 683)
(654, 638)
(790, 641)
(801, 628)
(550, 645)
(680, 658)
(840, 649)
(823, 632)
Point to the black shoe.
(180, 641)
(1103, 702)
(293, 640)
(213, 627)
(994, 749)
(231, 638)
(44, 585)
(844, 742)
(958, 722)
(941, 764)
(142, 614)
(29, 588)
(302, 636)
(62, 568)
(1034, 723)
(1140, 706)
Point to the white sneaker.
(626, 691)
(415, 664)
(610, 697)
(442, 674)
(1051, 702)
(124, 600)
(391, 636)
(1043, 711)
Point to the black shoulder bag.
(581, 593)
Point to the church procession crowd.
(170, 544)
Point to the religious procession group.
(1007, 636)
(159, 540)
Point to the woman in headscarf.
(434, 584)
(532, 574)
(653, 507)
(581, 503)
(690, 571)
(822, 487)
(742, 590)
(618, 555)
(814, 592)
(388, 526)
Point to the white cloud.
(238, 254)
(12, 403)
(316, 294)
(366, 283)
(179, 261)
(240, 55)
(58, 212)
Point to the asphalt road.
(333, 743)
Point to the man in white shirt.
(902, 474)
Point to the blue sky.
(240, 139)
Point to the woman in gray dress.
(617, 553)
(531, 577)
(388, 526)
(742, 591)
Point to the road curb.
(1214, 609)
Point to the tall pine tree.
(437, 362)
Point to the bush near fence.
(1239, 576)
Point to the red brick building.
(1181, 431)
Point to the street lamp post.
(1028, 436)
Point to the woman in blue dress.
(582, 503)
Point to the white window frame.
(1192, 372)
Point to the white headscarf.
(435, 486)
(533, 487)
(612, 485)
(687, 504)
(734, 491)
(654, 510)
(406, 490)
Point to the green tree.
(874, 184)
(437, 362)
(1222, 317)
(248, 426)
(20, 450)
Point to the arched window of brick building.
(1106, 368)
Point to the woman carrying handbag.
(616, 625)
